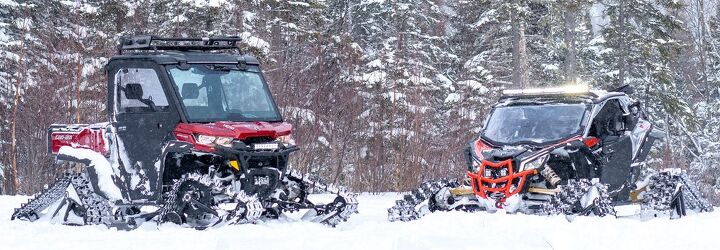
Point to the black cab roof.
(558, 95)
(182, 50)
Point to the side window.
(153, 97)
(609, 121)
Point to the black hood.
(497, 154)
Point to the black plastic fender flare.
(171, 146)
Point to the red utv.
(194, 137)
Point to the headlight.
(287, 140)
(214, 140)
(475, 167)
(205, 139)
(488, 173)
(535, 163)
(224, 141)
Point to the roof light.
(568, 89)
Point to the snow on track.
(370, 230)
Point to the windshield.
(534, 123)
(224, 93)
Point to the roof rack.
(155, 43)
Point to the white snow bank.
(102, 168)
(370, 230)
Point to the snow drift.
(370, 230)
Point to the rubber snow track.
(371, 230)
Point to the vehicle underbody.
(246, 183)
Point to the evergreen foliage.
(383, 93)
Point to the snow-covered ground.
(370, 230)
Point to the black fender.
(469, 157)
(174, 147)
(91, 171)
(585, 161)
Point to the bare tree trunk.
(340, 165)
(78, 80)
(520, 60)
(702, 50)
(16, 103)
(622, 54)
(570, 20)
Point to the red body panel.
(77, 136)
(92, 136)
(238, 130)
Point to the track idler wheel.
(194, 205)
(580, 197)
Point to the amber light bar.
(569, 89)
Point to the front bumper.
(245, 155)
(261, 170)
(499, 186)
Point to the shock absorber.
(550, 176)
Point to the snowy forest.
(383, 94)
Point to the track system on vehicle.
(666, 193)
(69, 200)
(580, 197)
(672, 193)
(192, 201)
(430, 197)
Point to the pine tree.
(705, 164)
(562, 51)
(8, 36)
(640, 36)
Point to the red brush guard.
(501, 182)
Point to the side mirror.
(133, 91)
(190, 91)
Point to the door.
(143, 120)
(616, 171)
(617, 148)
